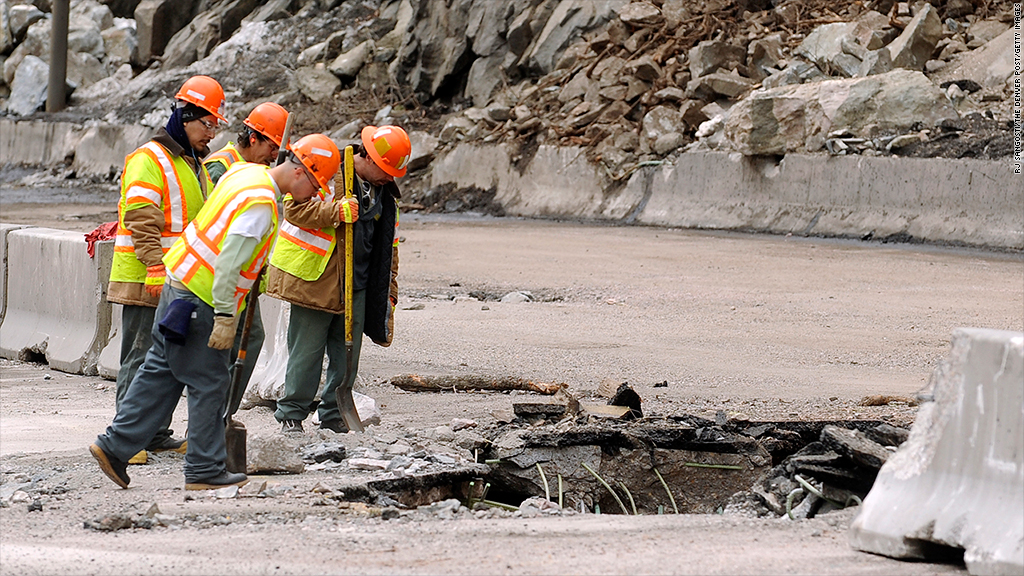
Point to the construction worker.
(163, 186)
(258, 140)
(307, 269)
(210, 269)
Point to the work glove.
(223, 335)
(348, 210)
(155, 278)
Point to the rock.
(824, 47)
(934, 66)
(84, 69)
(905, 140)
(372, 464)
(194, 41)
(515, 298)
(763, 56)
(28, 88)
(670, 94)
(568, 20)
(273, 10)
(711, 86)
(644, 69)
(324, 452)
(98, 13)
(484, 79)
(991, 66)
(690, 112)
(984, 31)
(793, 118)
(854, 445)
(798, 72)
(316, 82)
(641, 14)
(469, 440)
(6, 37)
(887, 435)
(20, 17)
(424, 146)
(120, 42)
(347, 66)
(462, 423)
(156, 22)
(667, 143)
(272, 454)
(875, 62)
(915, 44)
(520, 32)
(711, 55)
(958, 8)
(226, 492)
(954, 47)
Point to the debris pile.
(630, 82)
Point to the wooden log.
(417, 383)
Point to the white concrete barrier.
(4, 229)
(956, 201)
(959, 479)
(56, 299)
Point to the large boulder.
(28, 88)
(316, 82)
(916, 44)
(798, 118)
(710, 55)
(347, 66)
(569, 20)
(120, 42)
(6, 38)
(991, 66)
(205, 32)
(835, 48)
(157, 21)
(20, 17)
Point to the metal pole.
(55, 94)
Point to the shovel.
(346, 405)
(234, 431)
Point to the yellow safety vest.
(192, 256)
(227, 156)
(154, 177)
(304, 252)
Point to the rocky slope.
(629, 82)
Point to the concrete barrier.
(959, 479)
(110, 357)
(56, 299)
(4, 229)
(960, 202)
(97, 150)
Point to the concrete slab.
(37, 143)
(4, 229)
(56, 303)
(959, 479)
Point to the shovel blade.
(347, 407)
(235, 437)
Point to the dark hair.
(243, 136)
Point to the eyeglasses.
(210, 127)
(316, 185)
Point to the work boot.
(334, 426)
(141, 457)
(116, 470)
(169, 444)
(221, 480)
(291, 427)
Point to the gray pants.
(310, 332)
(167, 370)
(136, 339)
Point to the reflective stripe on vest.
(304, 252)
(192, 256)
(227, 156)
(152, 176)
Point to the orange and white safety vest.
(192, 256)
(152, 176)
(304, 252)
(227, 156)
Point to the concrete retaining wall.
(97, 150)
(959, 479)
(969, 202)
(56, 298)
(4, 229)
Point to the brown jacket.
(146, 225)
(326, 293)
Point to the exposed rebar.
(544, 479)
(605, 484)
(670, 496)
(632, 504)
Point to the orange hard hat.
(319, 154)
(268, 119)
(389, 147)
(204, 92)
